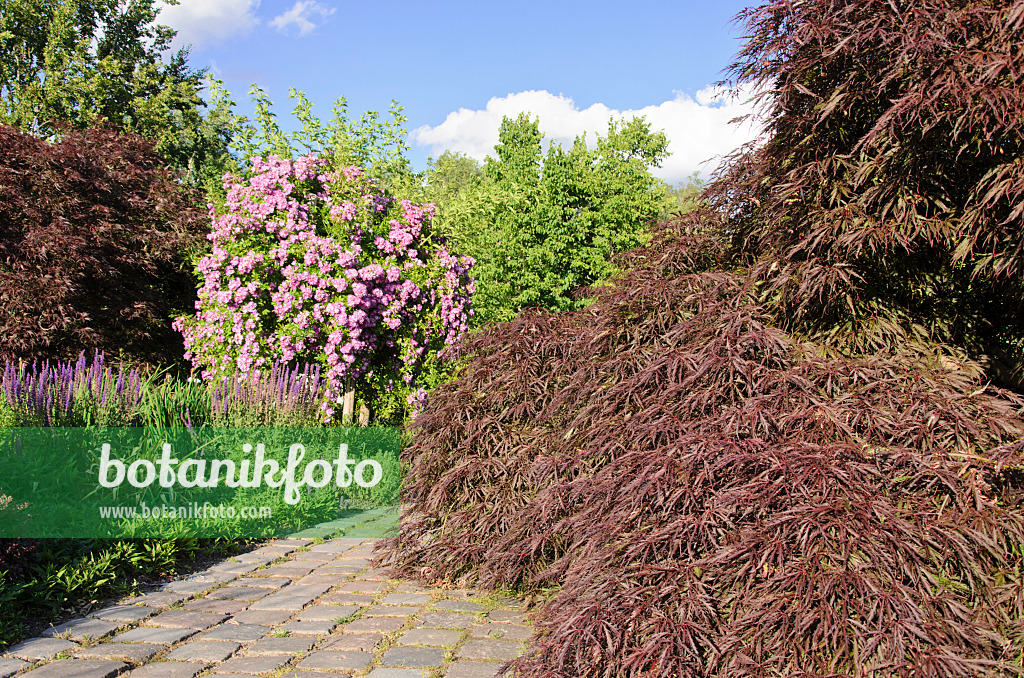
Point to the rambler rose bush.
(315, 265)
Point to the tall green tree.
(542, 226)
(88, 62)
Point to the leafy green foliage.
(82, 62)
(543, 227)
(95, 242)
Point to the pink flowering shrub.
(318, 266)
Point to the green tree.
(82, 62)
(543, 226)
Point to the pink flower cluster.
(318, 266)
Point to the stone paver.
(78, 668)
(205, 651)
(331, 660)
(167, 670)
(416, 657)
(323, 613)
(489, 649)
(147, 634)
(127, 652)
(238, 633)
(273, 646)
(356, 642)
(40, 648)
(436, 637)
(81, 629)
(466, 669)
(445, 620)
(263, 617)
(8, 667)
(123, 613)
(252, 665)
(318, 612)
(186, 619)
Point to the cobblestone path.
(294, 608)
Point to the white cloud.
(207, 22)
(698, 128)
(301, 15)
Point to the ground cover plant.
(782, 444)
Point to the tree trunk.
(348, 403)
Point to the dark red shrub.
(95, 239)
(774, 447)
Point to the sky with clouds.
(457, 67)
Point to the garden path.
(294, 608)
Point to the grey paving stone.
(254, 558)
(490, 649)
(8, 667)
(80, 629)
(472, 670)
(271, 583)
(511, 602)
(398, 673)
(263, 617)
(415, 657)
(503, 631)
(307, 628)
(78, 668)
(331, 660)
(323, 613)
(295, 597)
(436, 637)
(457, 606)
(123, 613)
(309, 674)
(246, 593)
(352, 561)
(275, 551)
(252, 665)
(405, 599)
(378, 574)
(238, 633)
(40, 648)
(292, 542)
(204, 651)
(189, 587)
(313, 556)
(509, 616)
(288, 569)
(235, 567)
(128, 652)
(445, 620)
(167, 670)
(186, 619)
(148, 634)
(390, 611)
(158, 599)
(356, 642)
(408, 587)
(346, 599)
(329, 579)
(373, 625)
(269, 646)
(216, 606)
(331, 546)
(218, 575)
(339, 571)
(368, 587)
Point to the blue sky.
(457, 67)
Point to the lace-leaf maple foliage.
(773, 447)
